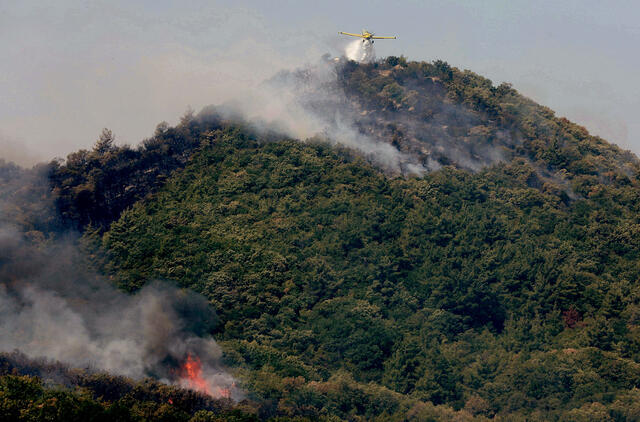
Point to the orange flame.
(191, 373)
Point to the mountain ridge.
(481, 117)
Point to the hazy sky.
(70, 68)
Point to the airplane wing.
(384, 38)
(353, 35)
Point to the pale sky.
(70, 68)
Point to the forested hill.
(440, 115)
(344, 292)
(501, 283)
(433, 114)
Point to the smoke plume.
(52, 305)
(410, 126)
(310, 103)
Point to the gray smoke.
(309, 103)
(53, 306)
(14, 150)
(417, 129)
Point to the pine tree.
(105, 142)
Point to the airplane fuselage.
(367, 36)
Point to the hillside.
(491, 273)
(437, 115)
(444, 288)
(408, 118)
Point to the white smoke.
(309, 103)
(360, 51)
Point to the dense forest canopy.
(502, 282)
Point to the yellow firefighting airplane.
(367, 36)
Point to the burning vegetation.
(191, 376)
(30, 389)
(61, 310)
